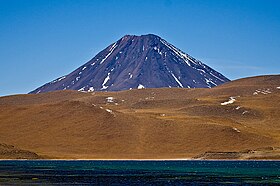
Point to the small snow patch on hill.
(236, 129)
(230, 101)
(140, 86)
(110, 99)
(91, 89)
(108, 110)
(262, 91)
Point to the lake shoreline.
(139, 160)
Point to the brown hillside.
(148, 123)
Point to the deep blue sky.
(42, 40)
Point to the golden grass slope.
(165, 123)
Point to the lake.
(139, 172)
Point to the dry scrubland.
(161, 123)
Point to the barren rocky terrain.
(236, 120)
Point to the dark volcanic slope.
(137, 62)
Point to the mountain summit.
(146, 61)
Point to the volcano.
(136, 62)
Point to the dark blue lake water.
(140, 172)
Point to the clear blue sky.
(41, 40)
